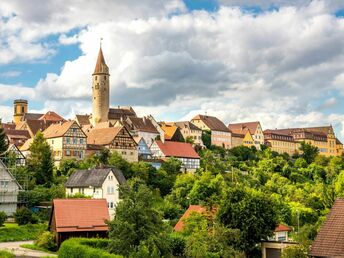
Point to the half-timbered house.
(116, 139)
(67, 141)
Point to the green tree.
(137, 226)
(3, 218)
(297, 251)
(190, 139)
(40, 161)
(309, 152)
(252, 212)
(206, 138)
(3, 142)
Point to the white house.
(180, 150)
(9, 190)
(97, 183)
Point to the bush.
(24, 216)
(86, 248)
(47, 241)
(3, 217)
(21, 233)
(6, 254)
(294, 252)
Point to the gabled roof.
(26, 145)
(35, 125)
(2, 165)
(330, 239)
(103, 136)
(177, 149)
(187, 125)
(141, 124)
(31, 116)
(8, 126)
(83, 119)
(101, 67)
(212, 122)
(169, 130)
(80, 215)
(281, 227)
(93, 177)
(243, 127)
(121, 113)
(52, 116)
(58, 130)
(13, 133)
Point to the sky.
(280, 62)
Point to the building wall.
(284, 146)
(199, 123)
(221, 139)
(196, 135)
(237, 141)
(248, 140)
(258, 137)
(130, 155)
(109, 191)
(9, 190)
(148, 137)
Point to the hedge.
(85, 248)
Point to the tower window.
(96, 77)
(23, 109)
(105, 78)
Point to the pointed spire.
(101, 67)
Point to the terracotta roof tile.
(57, 130)
(177, 149)
(141, 124)
(281, 227)
(101, 67)
(31, 116)
(121, 113)
(212, 122)
(241, 128)
(330, 239)
(169, 130)
(188, 125)
(83, 119)
(102, 136)
(80, 214)
(52, 116)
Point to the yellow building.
(321, 137)
(67, 141)
(256, 133)
(188, 129)
(20, 108)
(220, 134)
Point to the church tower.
(100, 90)
(20, 108)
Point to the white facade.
(148, 137)
(258, 137)
(109, 190)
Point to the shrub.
(6, 254)
(3, 218)
(24, 216)
(47, 241)
(86, 248)
(294, 252)
(21, 233)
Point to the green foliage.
(46, 241)
(255, 209)
(14, 232)
(85, 248)
(78, 196)
(206, 138)
(24, 216)
(309, 152)
(3, 142)
(42, 194)
(296, 251)
(68, 166)
(189, 139)
(40, 161)
(6, 254)
(137, 225)
(3, 218)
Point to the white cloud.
(270, 66)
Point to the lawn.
(37, 248)
(12, 232)
(6, 254)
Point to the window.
(81, 190)
(81, 141)
(75, 141)
(67, 152)
(111, 177)
(71, 190)
(111, 205)
(110, 190)
(22, 109)
(68, 140)
(75, 153)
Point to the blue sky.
(280, 62)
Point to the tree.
(3, 141)
(309, 152)
(137, 226)
(206, 138)
(250, 211)
(190, 139)
(297, 251)
(40, 161)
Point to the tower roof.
(101, 67)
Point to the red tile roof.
(52, 116)
(102, 136)
(80, 215)
(192, 208)
(58, 130)
(282, 227)
(177, 149)
(330, 239)
(241, 128)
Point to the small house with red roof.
(79, 218)
(180, 150)
(192, 209)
